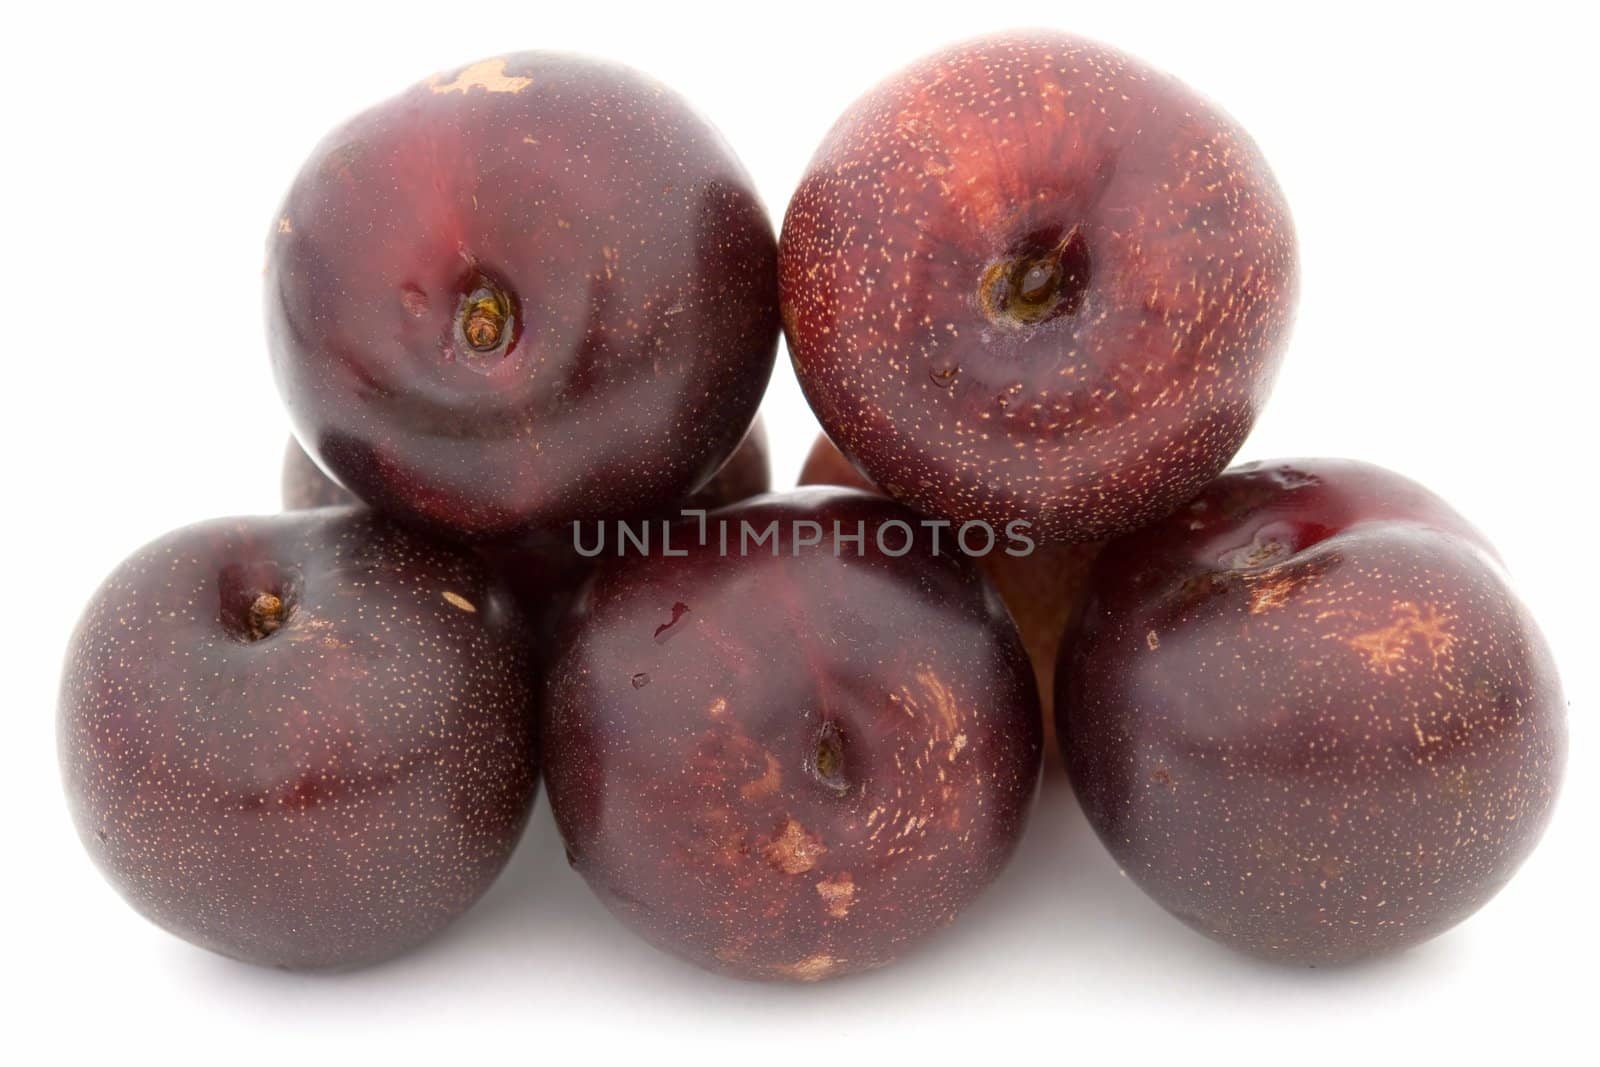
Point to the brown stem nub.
(1033, 286)
(829, 758)
(828, 761)
(266, 615)
(484, 317)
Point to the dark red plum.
(791, 764)
(1307, 714)
(304, 740)
(536, 289)
(1031, 278)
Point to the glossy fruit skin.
(320, 795)
(747, 473)
(536, 289)
(541, 569)
(790, 767)
(1042, 590)
(544, 571)
(543, 575)
(1162, 318)
(1307, 714)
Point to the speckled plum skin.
(536, 289)
(317, 786)
(1031, 278)
(793, 766)
(541, 569)
(1307, 714)
(1042, 590)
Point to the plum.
(1031, 278)
(304, 740)
(787, 762)
(1307, 714)
(533, 290)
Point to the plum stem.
(483, 318)
(266, 615)
(828, 761)
(1031, 287)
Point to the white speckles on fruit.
(487, 266)
(832, 760)
(1340, 746)
(326, 793)
(1040, 219)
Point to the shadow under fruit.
(790, 764)
(1307, 714)
(304, 740)
(1031, 278)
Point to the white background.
(1440, 164)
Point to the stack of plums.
(522, 317)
